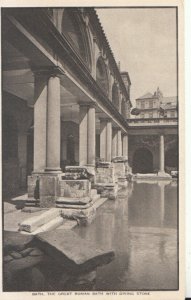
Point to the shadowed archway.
(142, 161)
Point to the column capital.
(48, 71)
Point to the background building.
(156, 106)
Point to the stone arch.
(123, 108)
(74, 29)
(142, 161)
(102, 75)
(115, 95)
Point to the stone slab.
(73, 201)
(74, 188)
(15, 241)
(53, 224)
(74, 253)
(31, 224)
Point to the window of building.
(142, 104)
(142, 116)
(150, 104)
(150, 115)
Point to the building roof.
(146, 96)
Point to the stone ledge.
(31, 224)
(73, 252)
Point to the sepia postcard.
(92, 110)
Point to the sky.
(144, 41)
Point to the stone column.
(119, 143)
(22, 156)
(109, 140)
(83, 137)
(114, 143)
(53, 124)
(40, 119)
(105, 139)
(161, 154)
(91, 136)
(125, 145)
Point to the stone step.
(75, 254)
(75, 206)
(73, 201)
(53, 224)
(32, 202)
(31, 224)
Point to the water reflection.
(141, 226)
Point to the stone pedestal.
(43, 189)
(105, 181)
(119, 165)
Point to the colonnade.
(47, 135)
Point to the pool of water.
(141, 227)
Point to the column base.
(163, 174)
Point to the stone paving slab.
(12, 220)
(31, 224)
(74, 253)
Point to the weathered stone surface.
(77, 173)
(73, 201)
(7, 258)
(36, 252)
(33, 209)
(74, 253)
(31, 224)
(48, 190)
(109, 191)
(23, 263)
(74, 188)
(26, 251)
(119, 169)
(15, 255)
(104, 175)
(103, 164)
(120, 159)
(31, 184)
(51, 225)
(15, 241)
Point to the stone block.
(48, 190)
(78, 172)
(33, 223)
(104, 175)
(74, 253)
(119, 169)
(74, 188)
(31, 184)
